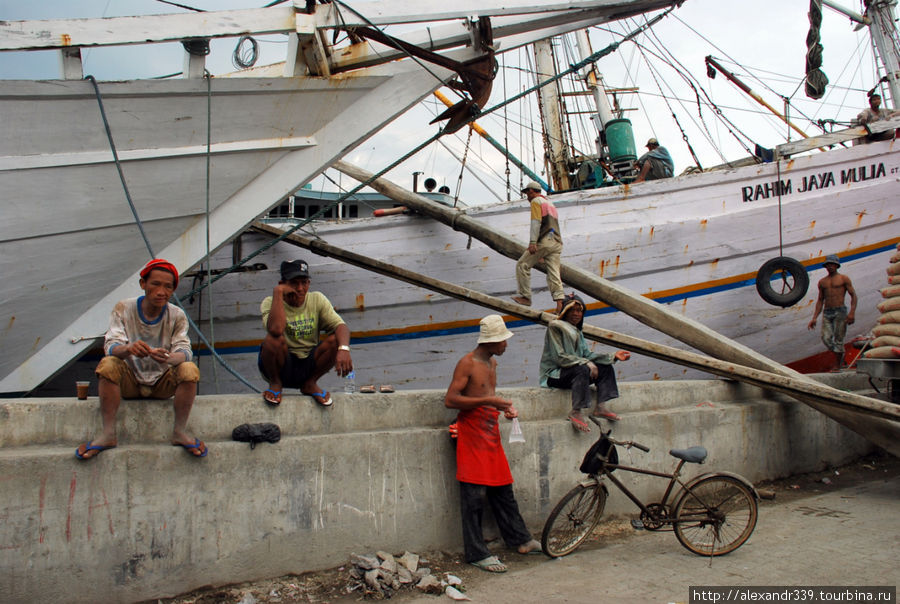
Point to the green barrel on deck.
(620, 140)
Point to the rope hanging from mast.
(816, 80)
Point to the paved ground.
(832, 527)
(844, 536)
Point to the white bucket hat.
(533, 186)
(493, 329)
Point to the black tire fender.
(778, 265)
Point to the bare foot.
(530, 547)
(521, 300)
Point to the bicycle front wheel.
(573, 519)
(716, 516)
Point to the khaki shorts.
(119, 372)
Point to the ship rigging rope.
(684, 135)
(816, 80)
(572, 69)
(679, 68)
(140, 226)
(208, 259)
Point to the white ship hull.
(201, 158)
(693, 242)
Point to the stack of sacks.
(886, 344)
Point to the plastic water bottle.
(350, 383)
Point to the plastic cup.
(82, 389)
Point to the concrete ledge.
(375, 471)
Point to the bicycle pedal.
(637, 525)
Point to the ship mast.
(555, 144)
(879, 18)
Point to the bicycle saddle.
(690, 455)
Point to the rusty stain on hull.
(361, 302)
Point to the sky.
(762, 40)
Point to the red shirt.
(479, 453)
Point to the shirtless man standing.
(835, 317)
(481, 466)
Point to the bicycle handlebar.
(629, 444)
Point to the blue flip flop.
(322, 398)
(92, 447)
(276, 397)
(197, 444)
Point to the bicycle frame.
(674, 478)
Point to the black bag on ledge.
(256, 433)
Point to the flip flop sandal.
(323, 398)
(579, 423)
(491, 564)
(607, 415)
(386, 389)
(370, 389)
(196, 446)
(89, 446)
(275, 400)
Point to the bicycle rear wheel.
(573, 519)
(716, 516)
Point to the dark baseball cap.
(293, 269)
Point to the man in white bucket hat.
(481, 466)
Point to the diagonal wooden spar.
(771, 381)
(885, 433)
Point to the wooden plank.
(56, 160)
(764, 379)
(884, 433)
(420, 11)
(149, 29)
(833, 138)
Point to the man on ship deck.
(656, 163)
(874, 113)
(291, 354)
(835, 317)
(148, 355)
(544, 245)
(481, 466)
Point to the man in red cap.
(148, 355)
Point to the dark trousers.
(578, 378)
(506, 513)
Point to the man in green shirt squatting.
(568, 362)
(291, 354)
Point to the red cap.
(160, 264)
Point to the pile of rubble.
(381, 575)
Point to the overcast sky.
(766, 37)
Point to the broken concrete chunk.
(455, 594)
(389, 563)
(372, 578)
(365, 561)
(404, 575)
(409, 560)
(429, 584)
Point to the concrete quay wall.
(375, 471)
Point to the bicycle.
(713, 515)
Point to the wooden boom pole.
(884, 433)
(771, 381)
